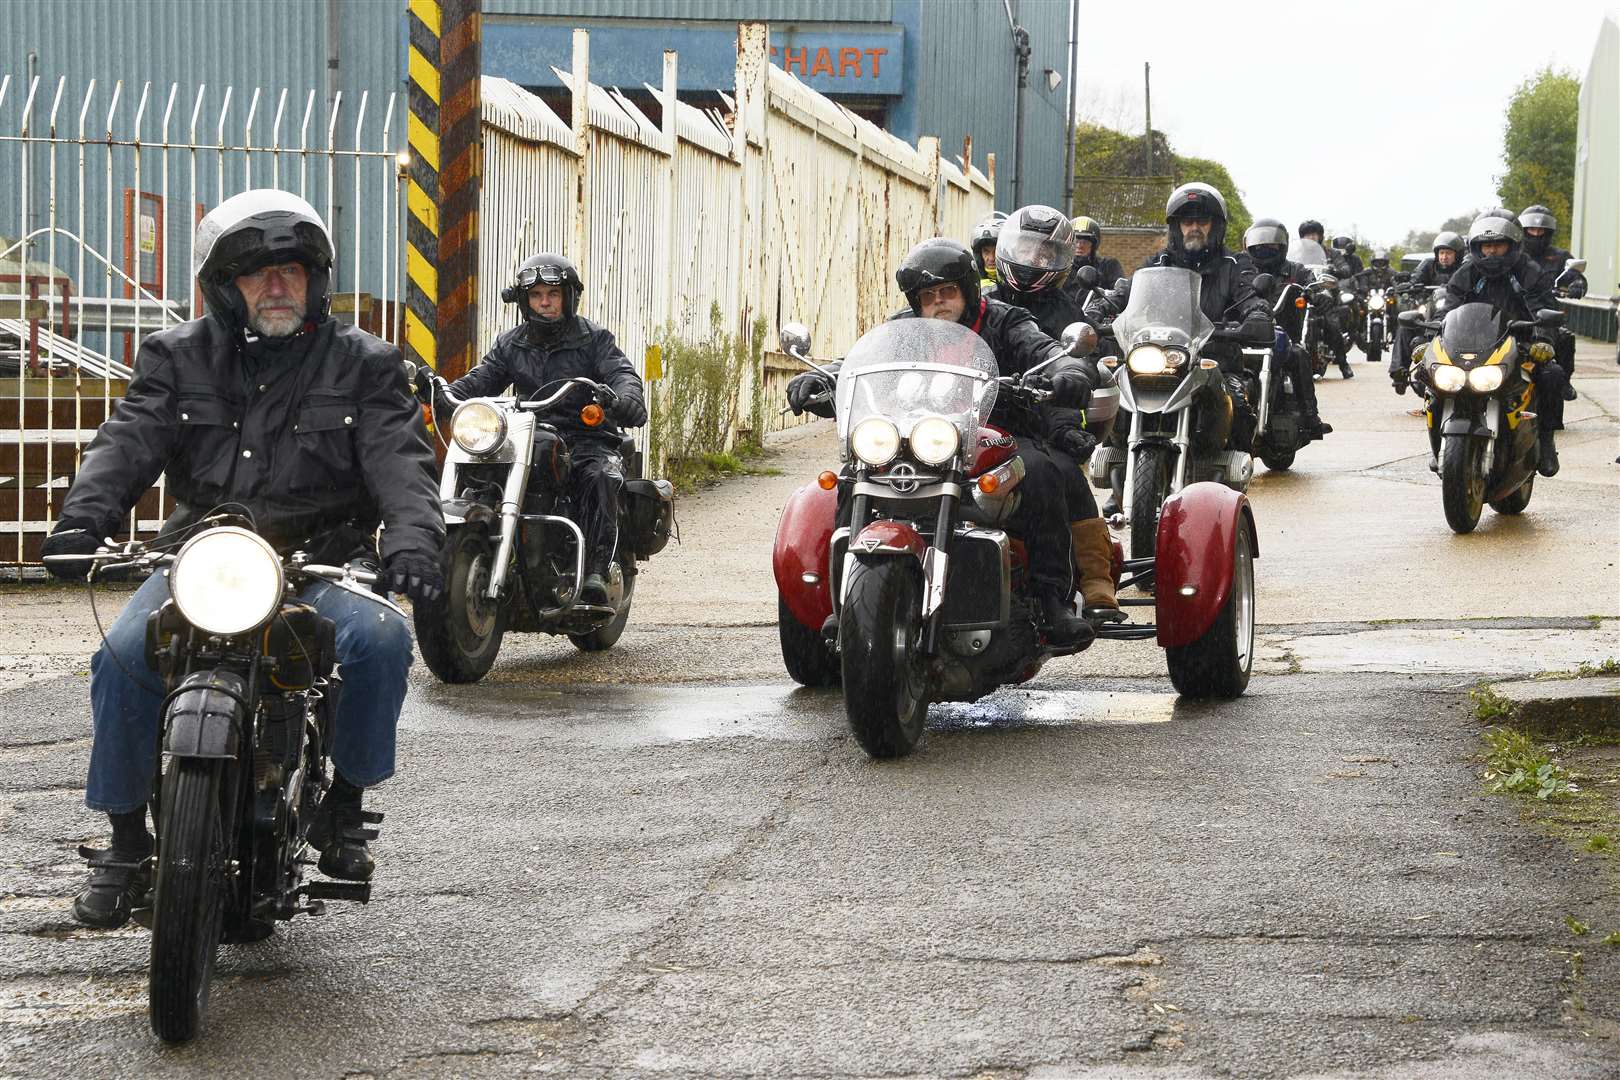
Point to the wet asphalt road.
(667, 862)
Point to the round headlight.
(1448, 379)
(1345, 298)
(875, 440)
(934, 440)
(1485, 379)
(1148, 360)
(226, 581)
(478, 427)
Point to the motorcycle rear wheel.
(1516, 500)
(880, 638)
(1462, 482)
(188, 900)
(1219, 663)
(607, 635)
(460, 634)
(805, 653)
(1150, 484)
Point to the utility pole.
(1021, 51)
(1074, 48)
(1147, 98)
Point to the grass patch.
(699, 424)
(1612, 939)
(1600, 842)
(1516, 764)
(1576, 927)
(1489, 706)
(1585, 670)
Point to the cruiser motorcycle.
(1321, 331)
(514, 557)
(895, 573)
(252, 685)
(1481, 429)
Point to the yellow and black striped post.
(441, 258)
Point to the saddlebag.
(649, 515)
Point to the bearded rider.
(940, 281)
(306, 426)
(554, 343)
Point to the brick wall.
(1131, 246)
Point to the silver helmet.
(255, 229)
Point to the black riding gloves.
(1070, 387)
(627, 411)
(70, 538)
(416, 576)
(803, 387)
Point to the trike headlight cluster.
(875, 441)
(934, 440)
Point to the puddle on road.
(1036, 708)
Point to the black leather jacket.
(1226, 295)
(319, 447)
(1429, 272)
(521, 359)
(1551, 264)
(1108, 271)
(1520, 292)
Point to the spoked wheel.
(805, 653)
(607, 635)
(880, 635)
(1149, 486)
(1218, 663)
(189, 898)
(1516, 500)
(460, 634)
(1462, 481)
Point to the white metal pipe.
(354, 256)
(247, 141)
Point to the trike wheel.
(1218, 664)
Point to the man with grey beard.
(268, 409)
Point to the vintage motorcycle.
(252, 687)
(917, 593)
(514, 558)
(1478, 378)
(1381, 304)
(1164, 383)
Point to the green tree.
(1102, 156)
(1423, 239)
(1538, 146)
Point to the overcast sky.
(1302, 102)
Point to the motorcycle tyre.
(885, 695)
(805, 654)
(188, 898)
(1279, 460)
(1462, 482)
(607, 635)
(1218, 664)
(1513, 503)
(445, 654)
(1150, 485)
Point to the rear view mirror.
(795, 339)
(1577, 265)
(1079, 339)
(1403, 277)
(1263, 283)
(1549, 317)
(1089, 277)
(1410, 318)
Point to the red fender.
(1197, 535)
(890, 538)
(803, 539)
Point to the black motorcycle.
(251, 680)
(514, 556)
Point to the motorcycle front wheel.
(1462, 481)
(189, 898)
(880, 638)
(1150, 485)
(460, 633)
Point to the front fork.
(935, 564)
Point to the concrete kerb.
(1558, 706)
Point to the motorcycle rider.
(1378, 275)
(1266, 243)
(268, 407)
(1087, 243)
(1499, 273)
(1311, 229)
(1195, 218)
(983, 244)
(1035, 254)
(554, 343)
(1539, 224)
(1345, 247)
(939, 280)
(1448, 249)
(1351, 319)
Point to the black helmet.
(255, 229)
(545, 269)
(984, 235)
(1266, 241)
(1343, 243)
(1451, 241)
(1196, 200)
(1086, 228)
(1491, 226)
(1310, 225)
(935, 262)
(1537, 217)
(1380, 258)
(1035, 249)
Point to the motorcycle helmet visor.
(1265, 234)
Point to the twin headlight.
(478, 427)
(1153, 360)
(876, 441)
(1449, 379)
(227, 581)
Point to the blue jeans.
(373, 648)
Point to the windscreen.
(907, 369)
(1307, 253)
(1163, 309)
(1471, 328)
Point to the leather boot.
(1548, 465)
(1063, 626)
(340, 833)
(1093, 569)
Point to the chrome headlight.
(934, 440)
(226, 581)
(1346, 298)
(1148, 360)
(478, 427)
(1485, 379)
(875, 440)
(1448, 379)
